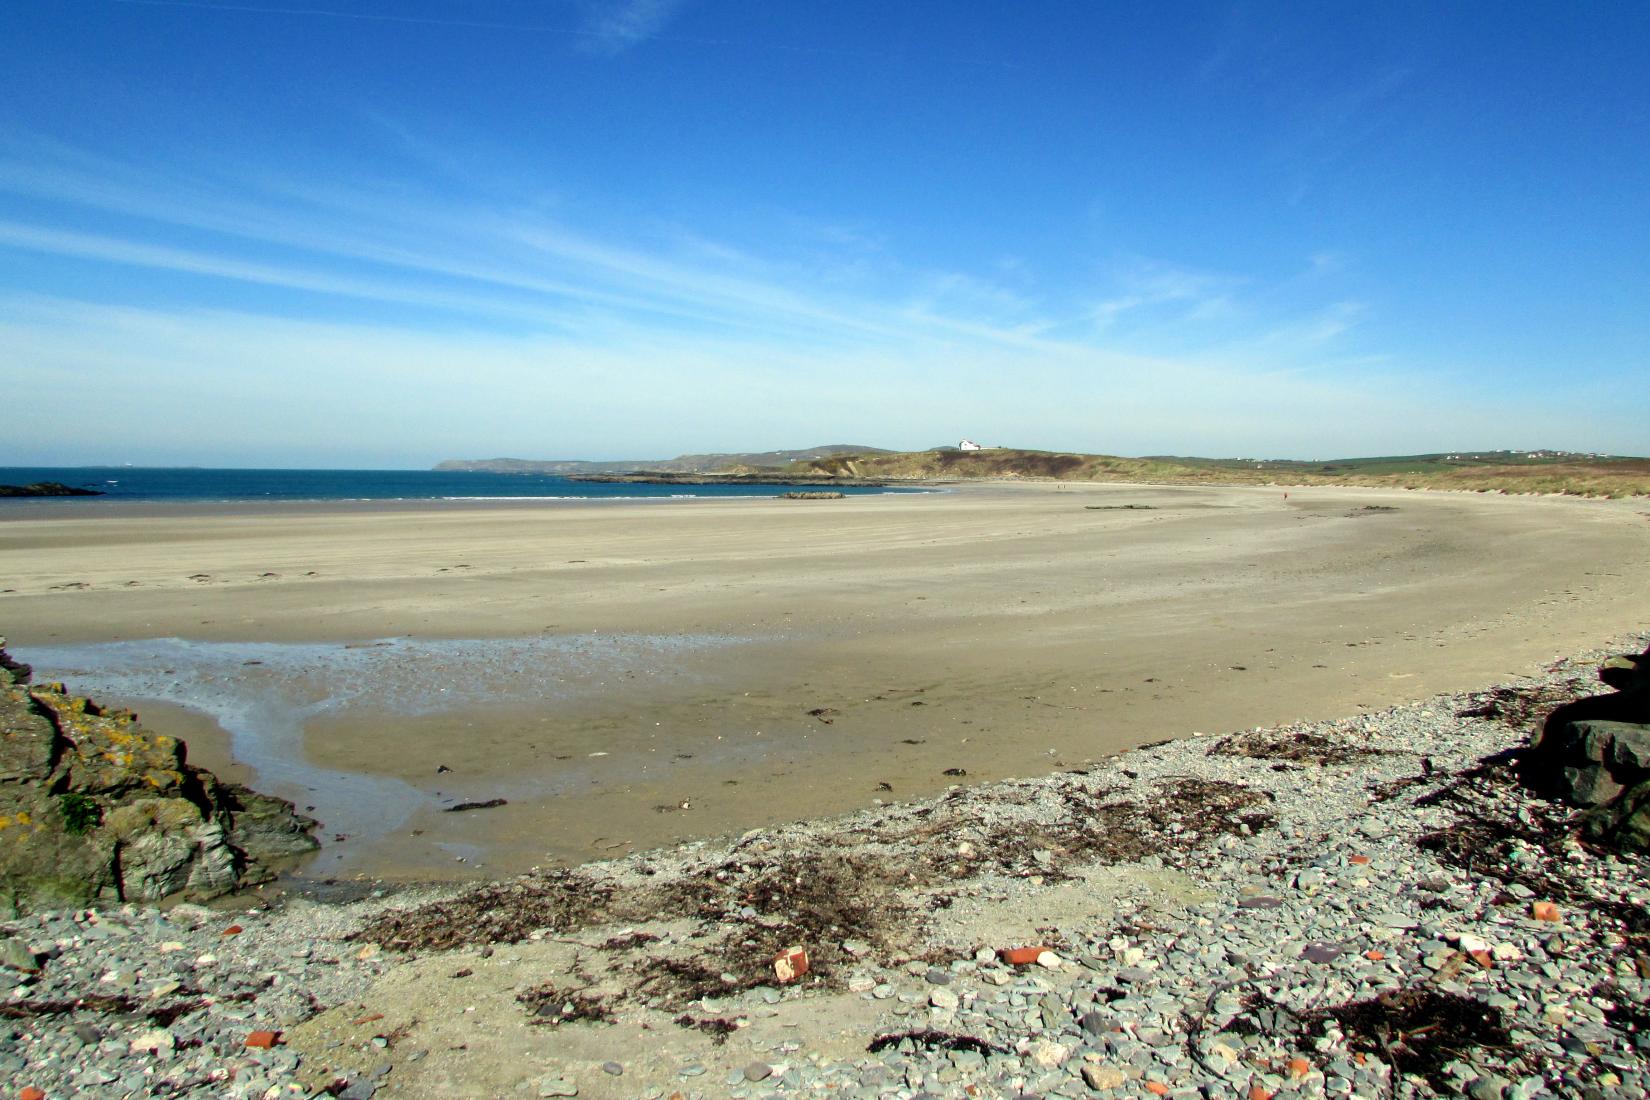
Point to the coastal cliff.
(94, 808)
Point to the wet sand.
(999, 630)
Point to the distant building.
(969, 445)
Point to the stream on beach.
(264, 694)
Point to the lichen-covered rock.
(93, 807)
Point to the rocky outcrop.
(47, 489)
(93, 807)
(1595, 753)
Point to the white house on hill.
(969, 445)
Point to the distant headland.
(1531, 471)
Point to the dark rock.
(1595, 753)
(1630, 748)
(1590, 786)
(487, 805)
(46, 489)
(1624, 822)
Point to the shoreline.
(1004, 631)
(1184, 889)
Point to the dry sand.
(1003, 630)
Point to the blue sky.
(387, 232)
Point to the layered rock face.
(1595, 753)
(93, 807)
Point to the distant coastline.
(102, 487)
(1538, 471)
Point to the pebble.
(1161, 998)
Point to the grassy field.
(1499, 471)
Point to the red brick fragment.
(367, 1019)
(1257, 1092)
(1020, 956)
(1157, 1087)
(1361, 861)
(263, 1039)
(1544, 910)
(790, 964)
(1483, 959)
(233, 930)
(29, 1092)
(1375, 954)
(1299, 1067)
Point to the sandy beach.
(739, 663)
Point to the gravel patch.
(1373, 906)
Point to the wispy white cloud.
(1145, 285)
(227, 386)
(613, 26)
(585, 329)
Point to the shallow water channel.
(263, 694)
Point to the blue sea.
(155, 484)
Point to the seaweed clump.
(1419, 1031)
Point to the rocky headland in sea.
(47, 489)
(1447, 897)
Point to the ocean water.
(156, 484)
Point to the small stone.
(1489, 1088)
(613, 1069)
(1048, 960)
(155, 1041)
(1103, 1077)
(943, 998)
(937, 976)
(16, 954)
(758, 1071)
(1049, 1054)
(557, 1086)
(1395, 920)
